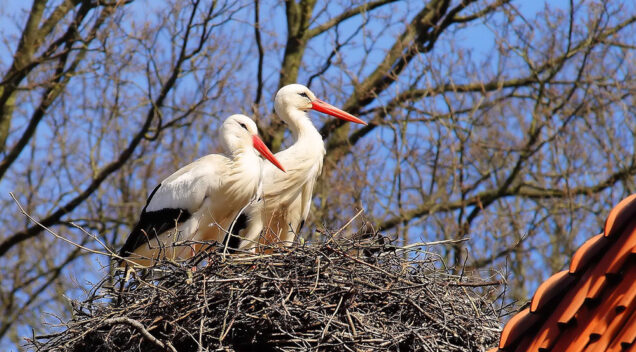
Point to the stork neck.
(299, 124)
(244, 156)
(245, 168)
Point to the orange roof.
(591, 306)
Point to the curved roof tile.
(622, 213)
(550, 289)
(586, 252)
(516, 327)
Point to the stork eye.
(304, 95)
(243, 125)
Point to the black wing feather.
(151, 224)
(235, 239)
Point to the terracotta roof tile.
(586, 252)
(622, 213)
(525, 342)
(550, 289)
(591, 306)
(516, 327)
(627, 336)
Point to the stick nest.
(337, 296)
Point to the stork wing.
(306, 196)
(151, 224)
(175, 199)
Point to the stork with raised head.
(200, 201)
(287, 196)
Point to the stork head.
(299, 97)
(239, 132)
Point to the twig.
(52, 232)
(370, 265)
(111, 253)
(317, 275)
(345, 225)
(324, 331)
(435, 243)
(431, 318)
(139, 326)
(476, 284)
(354, 333)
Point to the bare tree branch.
(124, 156)
(345, 15)
(521, 190)
(261, 53)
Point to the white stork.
(287, 196)
(200, 201)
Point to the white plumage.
(287, 196)
(200, 201)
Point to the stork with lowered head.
(200, 201)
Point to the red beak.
(262, 148)
(329, 109)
